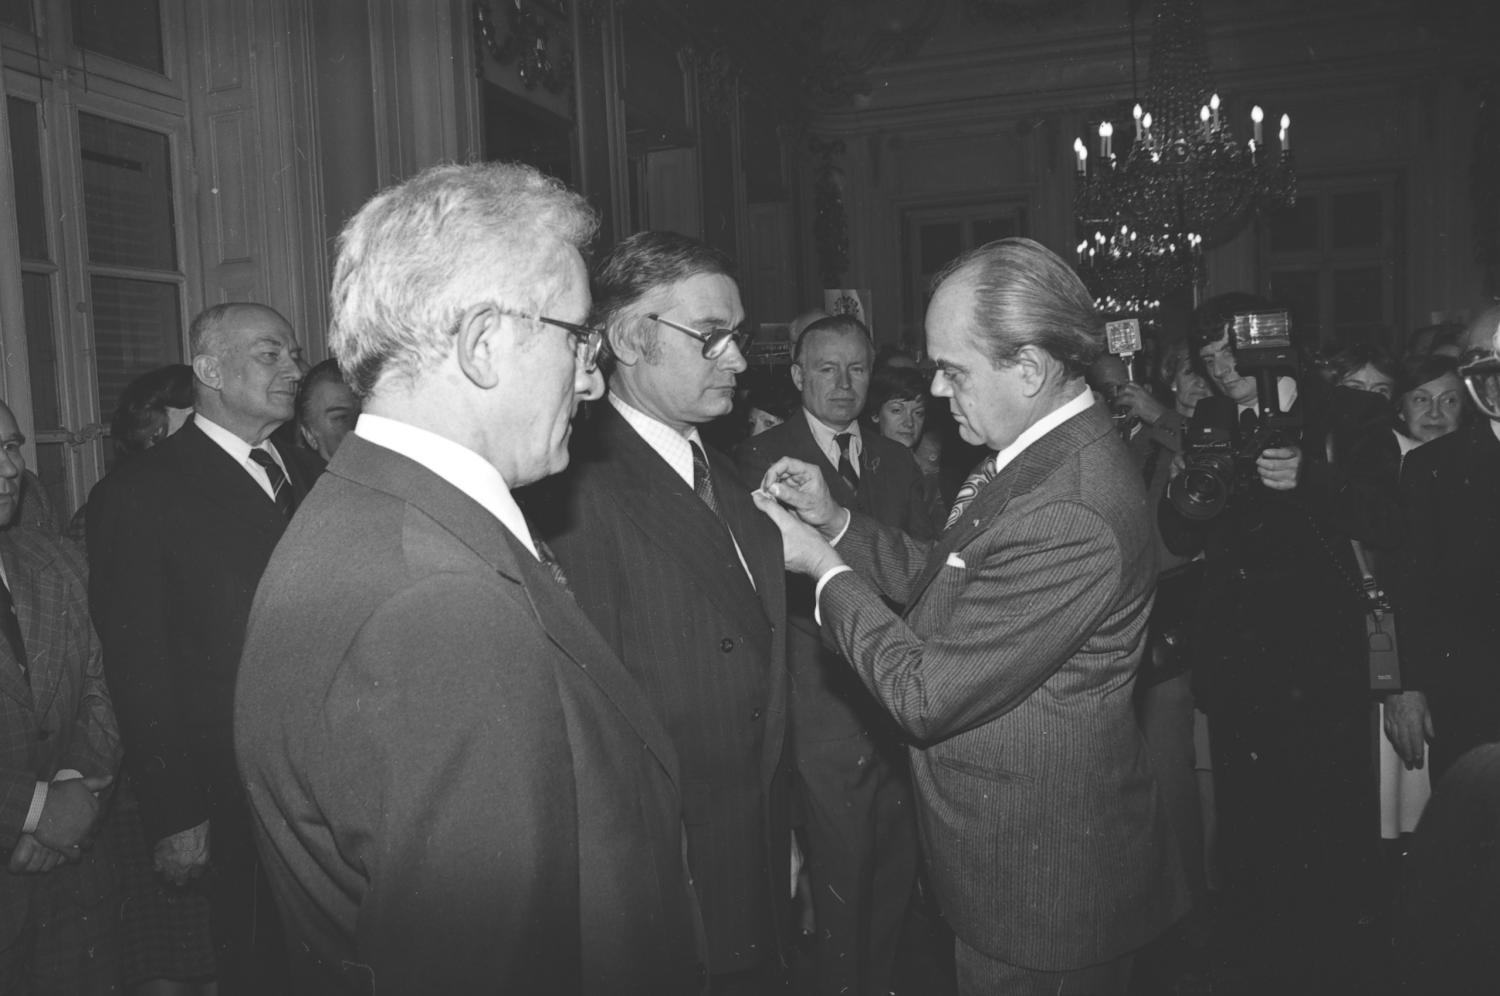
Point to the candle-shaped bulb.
(1286, 133)
(1106, 129)
(1136, 113)
(1203, 114)
(1146, 121)
(1256, 117)
(1213, 102)
(1286, 121)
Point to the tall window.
(1330, 259)
(933, 237)
(97, 132)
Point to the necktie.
(11, 625)
(971, 486)
(703, 483)
(281, 490)
(846, 467)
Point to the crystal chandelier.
(1182, 180)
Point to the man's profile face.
(987, 403)
(833, 374)
(676, 384)
(1218, 359)
(1482, 340)
(331, 412)
(259, 365)
(12, 465)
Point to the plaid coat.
(61, 719)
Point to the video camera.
(1218, 451)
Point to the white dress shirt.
(823, 435)
(453, 462)
(239, 452)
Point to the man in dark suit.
(683, 577)
(59, 747)
(1446, 587)
(1013, 661)
(458, 787)
(177, 539)
(853, 782)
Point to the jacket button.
(755, 715)
(726, 644)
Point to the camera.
(1219, 452)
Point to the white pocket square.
(954, 560)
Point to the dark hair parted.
(894, 384)
(1025, 295)
(644, 261)
(1353, 358)
(1424, 368)
(323, 372)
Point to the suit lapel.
(224, 482)
(376, 467)
(34, 599)
(12, 678)
(804, 446)
(1022, 475)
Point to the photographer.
(1279, 660)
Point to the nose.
(11, 462)
(939, 386)
(732, 359)
(588, 384)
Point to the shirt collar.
(453, 462)
(236, 447)
(1044, 425)
(823, 435)
(669, 444)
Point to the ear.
(206, 369)
(484, 343)
(797, 376)
(1033, 364)
(624, 340)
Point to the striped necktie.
(846, 466)
(971, 486)
(281, 489)
(703, 482)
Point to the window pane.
(1297, 292)
(41, 350)
(939, 242)
(17, 14)
(987, 230)
(1295, 228)
(1356, 219)
(137, 327)
(26, 163)
(127, 194)
(1358, 295)
(128, 30)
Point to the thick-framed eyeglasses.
(1480, 369)
(714, 342)
(587, 340)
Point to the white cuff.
(833, 572)
(848, 518)
(67, 775)
(38, 803)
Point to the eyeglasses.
(587, 339)
(714, 343)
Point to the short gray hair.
(1025, 295)
(420, 253)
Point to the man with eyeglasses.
(1447, 587)
(459, 787)
(667, 555)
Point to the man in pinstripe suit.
(668, 557)
(1012, 664)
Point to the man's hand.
(183, 856)
(1139, 402)
(803, 547)
(1278, 467)
(800, 486)
(70, 812)
(1408, 726)
(32, 857)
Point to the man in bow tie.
(1011, 665)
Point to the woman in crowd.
(1363, 368)
(896, 407)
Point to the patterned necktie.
(703, 482)
(971, 486)
(846, 467)
(281, 490)
(11, 625)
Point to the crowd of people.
(531, 643)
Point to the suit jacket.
(1445, 586)
(458, 788)
(177, 539)
(658, 575)
(1013, 666)
(828, 700)
(61, 719)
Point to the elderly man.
(853, 781)
(1446, 584)
(459, 788)
(177, 539)
(1012, 663)
(58, 747)
(670, 560)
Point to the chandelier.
(1181, 180)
